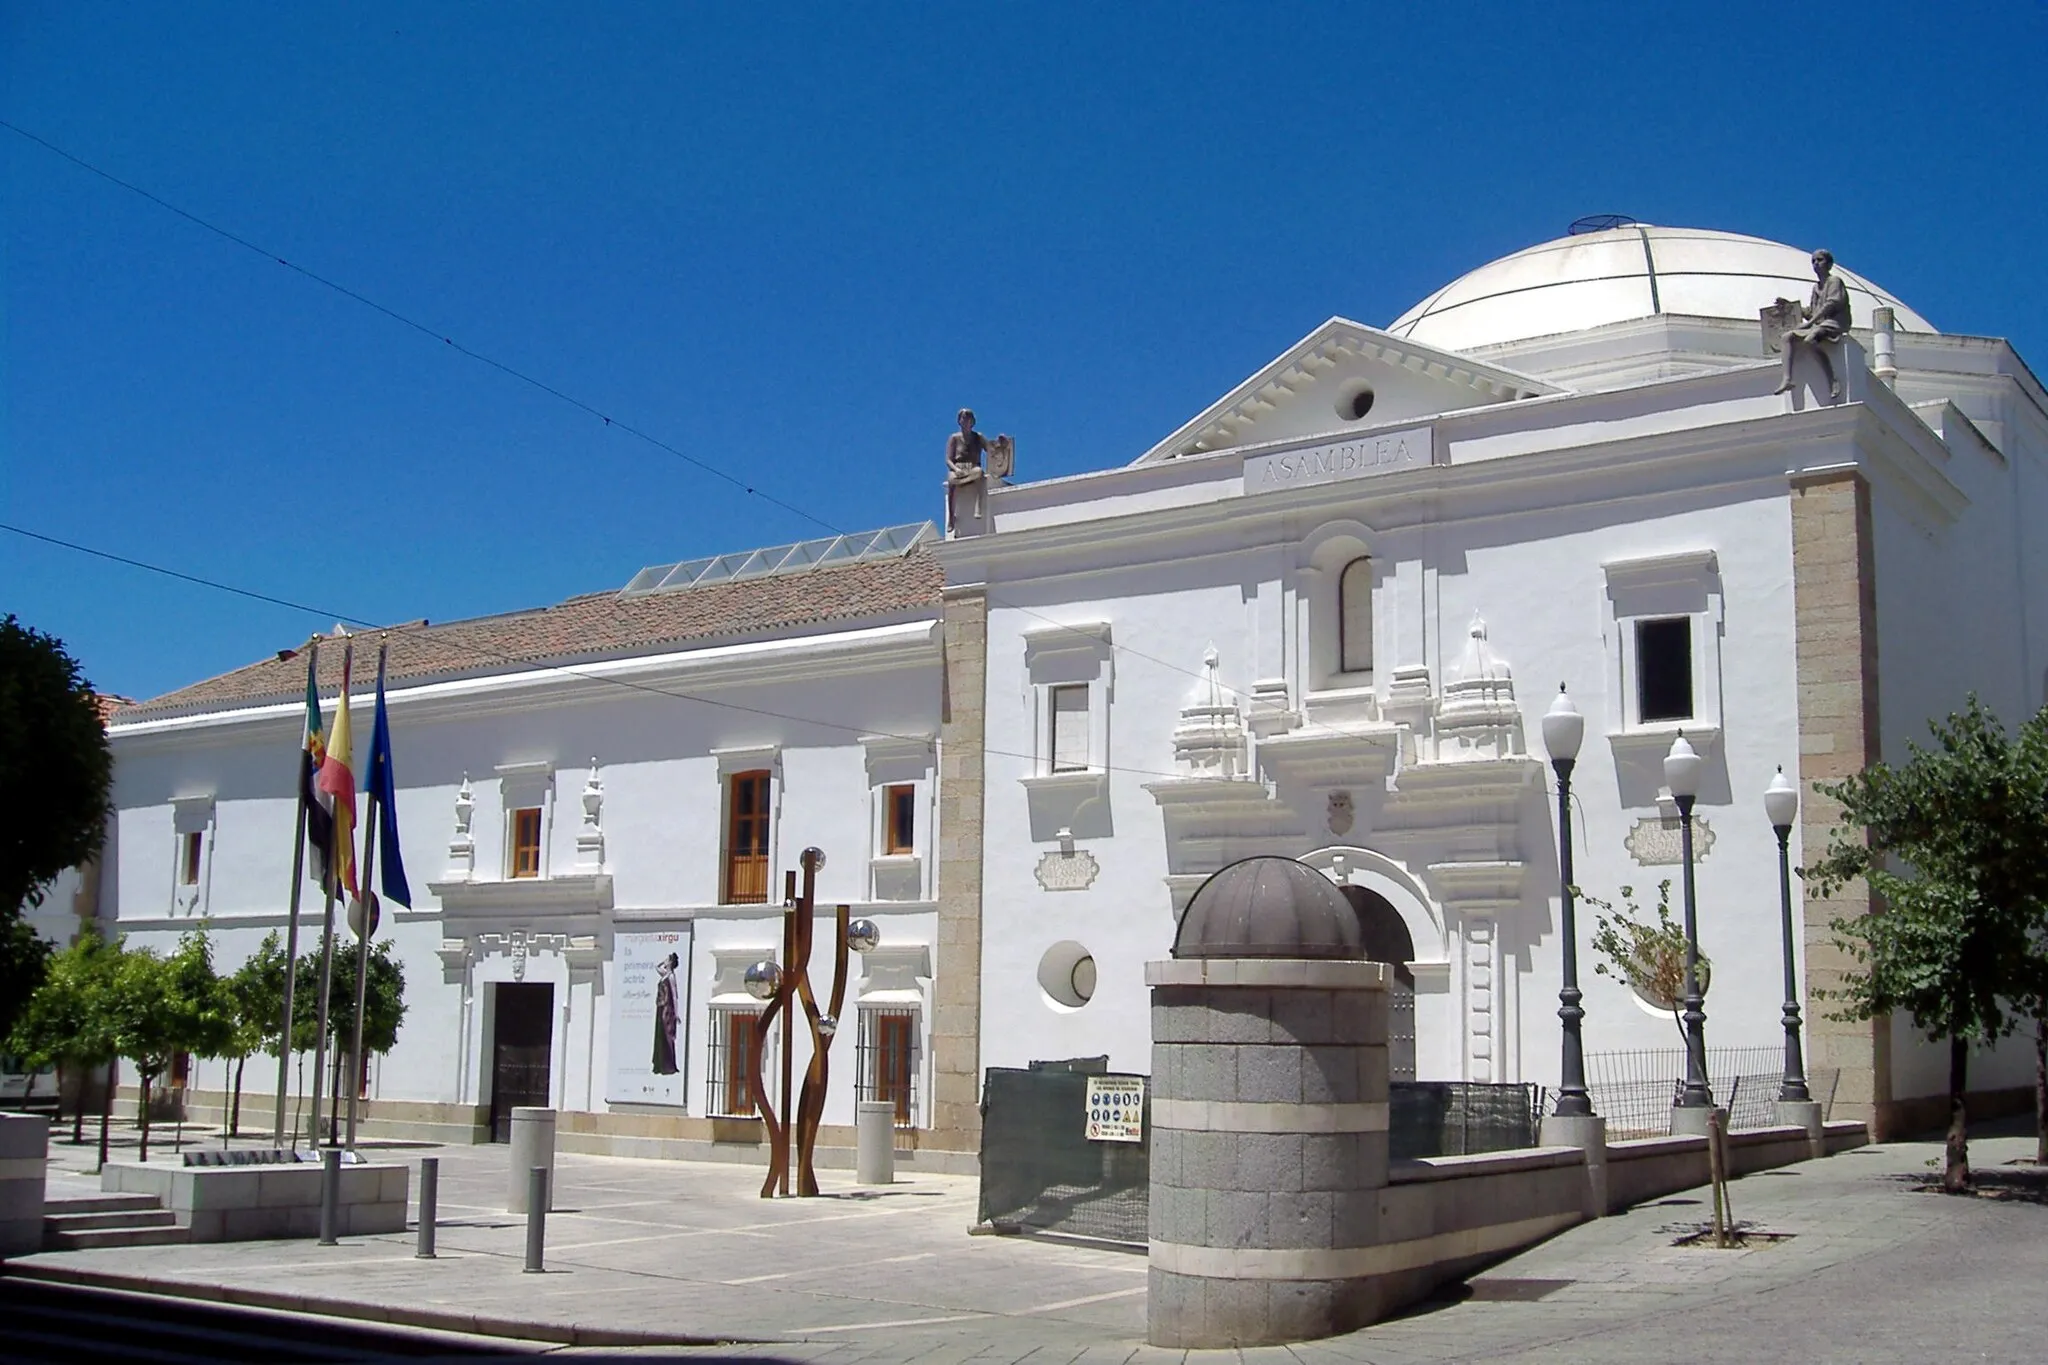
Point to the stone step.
(101, 1203)
(152, 1217)
(98, 1238)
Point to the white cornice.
(832, 655)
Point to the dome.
(1269, 907)
(1633, 271)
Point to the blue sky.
(791, 244)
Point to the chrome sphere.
(814, 859)
(764, 979)
(862, 935)
(828, 1024)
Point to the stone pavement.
(1873, 1270)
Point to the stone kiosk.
(1269, 1114)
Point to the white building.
(1323, 618)
(583, 791)
(1319, 620)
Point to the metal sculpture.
(781, 988)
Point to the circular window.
(1355, 403)
(1067, 976)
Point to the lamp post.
(1563, 731)
(1781, 803)
(1682, 776)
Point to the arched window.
(1354, 617)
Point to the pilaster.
(956, 986)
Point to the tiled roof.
(108, 703)
(596, 625)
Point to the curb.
(431, 1319)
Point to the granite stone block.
(1268, 1161)
(1269, 1075)
(1330, 1075)
(1329, 1161)
(1300, 1220)
(1303, 1016)
(1240, 1016)
(1238, 1312)
(1235, 1218)
(1301, 1310)
(1208, 1073)
(1355, 1219)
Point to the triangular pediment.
(1345, 376)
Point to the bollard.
(430, 1188)
(875, 1142)
(536, 1217)
(330, 1193)
(533, 1144)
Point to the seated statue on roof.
(1822, 321)
(965, 473)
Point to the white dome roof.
(1626, 272)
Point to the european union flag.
(390, 863)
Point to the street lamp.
(1563, 731)
(1781, 803)
(1682, 776)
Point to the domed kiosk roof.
(1269, 907)
(1631, 271)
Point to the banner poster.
(1116, 1109)
(650, 1012)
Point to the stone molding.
(1346, 1263)
(1233, 1116)
(1269, 973)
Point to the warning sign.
(1116, 1108)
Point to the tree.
(56, 771)
(63, 1022)
(257, 990)
(165, 1006)
(385, 1002)
(1951, 845)
(24, 964)
(1649, 957)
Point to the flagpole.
(291, 941)
(364, 900)
(336, 863)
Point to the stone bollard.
(533, 1144)
(430, 1197)
(875, 1139)
(330, 1195)
(537, 1202)
(1587, 1132)
(1269, 1149)
(24, 1163)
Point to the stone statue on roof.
(966, 450)
(1822, 321)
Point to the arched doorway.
(1387, 939)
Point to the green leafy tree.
(382, 1017)
(1951, 844)
(64, 1023)
(1647, 953)
(167, 1005)
(257, 991)
(24, 966)
(55, 778)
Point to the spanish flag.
(338, 780)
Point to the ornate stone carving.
(1340, 816)
(1815, 327)
(1210, 741)
(1659, 842)
(590, 839)
(1067, 871)
(462, 848)
(1476, 717)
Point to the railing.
(746, 879)
(1634, 1091)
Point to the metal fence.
(1039, 1172)
(1460, 1118)
(1634, 1091)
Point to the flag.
(319, 819)
(382, 790)
(338, 779)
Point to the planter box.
(251, 1203)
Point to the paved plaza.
(1871, 1268)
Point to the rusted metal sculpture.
(782, 988)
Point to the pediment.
(1345, 376)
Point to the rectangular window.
(1068, 741)
(1664, 669)
(746, 838)
(188, 860)
(899, 818)
(887, 1064)
(735, 1039)
(526, 842)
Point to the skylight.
(803, 555)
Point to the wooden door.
(522, 1044)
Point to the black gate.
(1040, 1172)
(521, 1040)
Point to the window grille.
(1069, 722)
(886, 1064)
(735, 1038)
